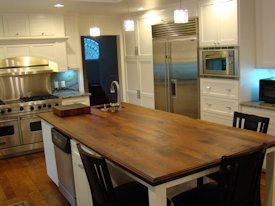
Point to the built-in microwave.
(267, 90)
(220, 62)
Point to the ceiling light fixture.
(129, 24)
(59, 5)
(94, 30)
(180, 15)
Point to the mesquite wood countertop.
(154, 145)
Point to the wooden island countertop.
(153, 145)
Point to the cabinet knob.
(42, 33)
(80, 166)
(17, 34)
(229, 90)
(209, 105)
(229, 108)
(208, 87)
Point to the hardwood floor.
(25, 178)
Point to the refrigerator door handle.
(174, 88)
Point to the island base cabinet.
(82, 188)
(49, 151)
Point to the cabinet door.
(130, 42)
(228, 31)
(73, 43)
(82, 188)
(41, 25)
(133, 82)
(49, 151)
(147, 83)
(1, 27)
(16, 25)
(265, 38)
(144, 37)
(208, 25)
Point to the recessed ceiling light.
(59, 5)
(141, 8)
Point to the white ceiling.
(107, 7)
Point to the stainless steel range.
(25, 92)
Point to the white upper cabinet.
(218, 23)
(16, 25)
(32, 25)
(139, 42)
(265, 38)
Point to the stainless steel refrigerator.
(176, 75)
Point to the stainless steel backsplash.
(14, 87)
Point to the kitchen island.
(161, 149)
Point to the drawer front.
(220, 88)
(219, 119)
(218, 105)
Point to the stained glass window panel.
(91, 49)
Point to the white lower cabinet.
(82, 188)
(219, 100)
(49, 151)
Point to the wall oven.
(219, 62)
(31, 129)
(9, 133)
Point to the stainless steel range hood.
(25, 65)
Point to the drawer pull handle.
(209, 105)
(208, 87)
(2, 143)
(229, 108)
(229, 90)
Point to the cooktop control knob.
(56, 104)
(21, 108)
(32, 108)
(9, 110)
(49, 106)
(39, 107)
(2, 111)
(44, 105)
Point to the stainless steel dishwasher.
(62, 148)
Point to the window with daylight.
(91, 49)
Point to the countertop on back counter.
(259, 104)
(68, 93)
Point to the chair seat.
(127, 194)
(133, 194)
(204, 195)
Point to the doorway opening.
(100, 67)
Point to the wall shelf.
(32, 40)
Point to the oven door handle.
(8, 120)
(29, 117)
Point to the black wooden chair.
(250, 122)
(102, 190)
(238, 183)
